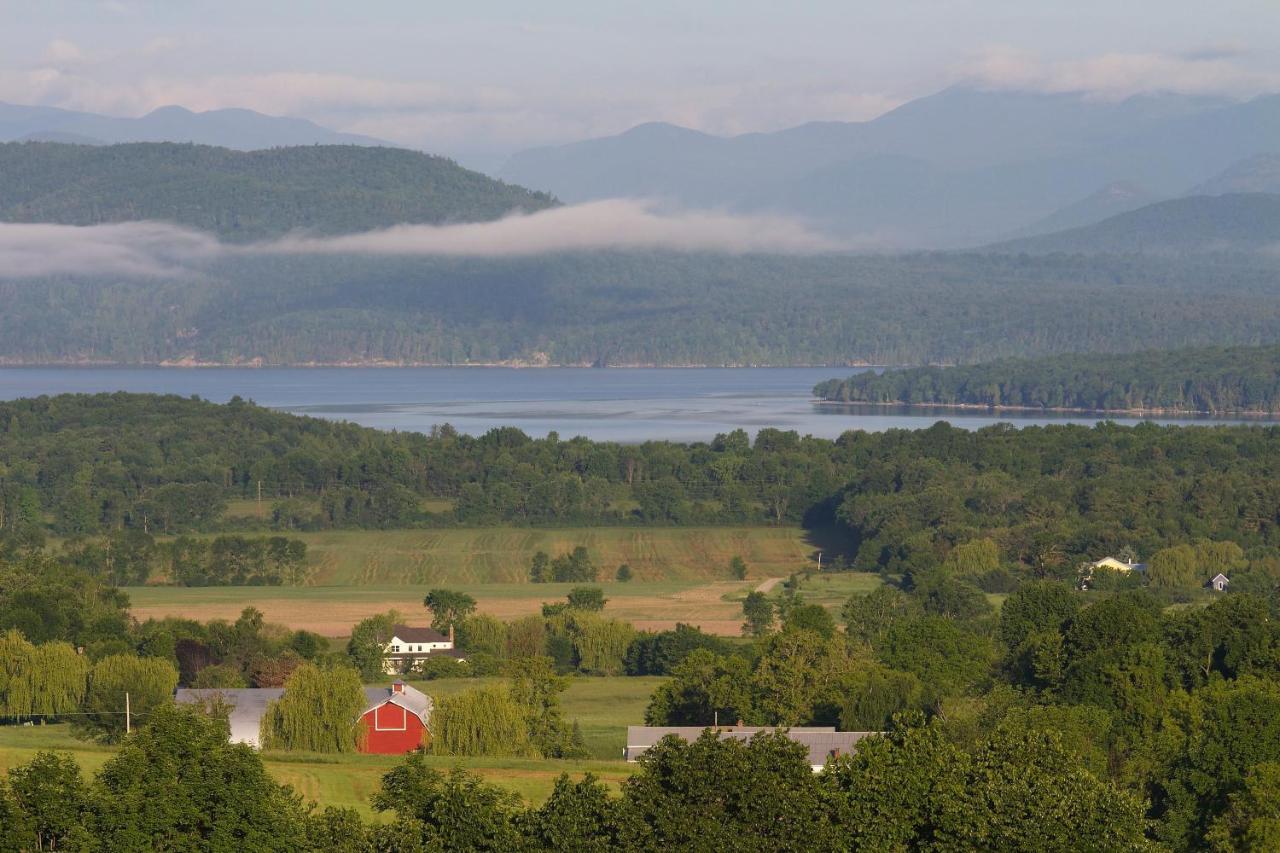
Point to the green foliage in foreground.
(1219, 379)
(178, 785)
(247, 195)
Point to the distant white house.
(410, 646)
(1219, 582)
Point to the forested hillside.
(643, 308)
(1217, 379)
(247, 195)
(1233, 222)
(1048, 497)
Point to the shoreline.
(1062, 410)
(255, 364)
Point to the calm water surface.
(615, 404)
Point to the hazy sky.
(480, 79)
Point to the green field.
(502, 555)
(603, 707)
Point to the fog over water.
(627, 405)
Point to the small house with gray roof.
(823, 742)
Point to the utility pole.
(128, 721)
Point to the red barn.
(396, 719)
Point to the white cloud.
(130, 249)
(157, 249)
(1211, 71)
(611, 224)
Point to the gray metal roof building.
(823, 742)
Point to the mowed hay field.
(502, 554)
(602, 706)
(680, 575)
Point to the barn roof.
(412, 700)
(248, 706)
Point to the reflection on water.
(629, 405)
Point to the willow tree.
(600, 644)
(319, 711)
(15, 675)
(61, 678)
(484, 721)
(483, 634)
(148, 683)
(40, 681)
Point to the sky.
(480, 80)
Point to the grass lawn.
(603, 707)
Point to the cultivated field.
(680, 575)
(502, 554)
(333, 610)
(603, 706)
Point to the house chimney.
(397, 686)
(451, 635)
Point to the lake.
(627, 405)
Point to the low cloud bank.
(154, 249)
(128, 249)
(612, 224)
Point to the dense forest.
(1217, 379)
(81, 465)
(642, 308)
(247, 195)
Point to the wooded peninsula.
(1205, 380)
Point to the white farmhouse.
(410, 646)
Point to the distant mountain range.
(959, 168)
(247, 195)
(244, 130)
(1236, 222)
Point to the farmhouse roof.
(418, 635)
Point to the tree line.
(130, 557)
(1217, 379)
